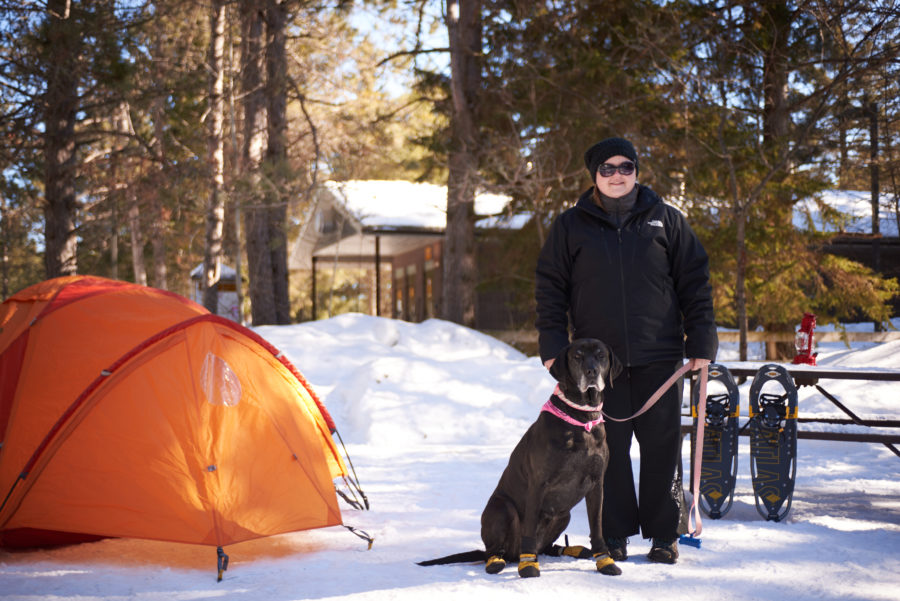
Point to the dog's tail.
(468, 556)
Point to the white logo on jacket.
(655, 223)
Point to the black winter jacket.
(643, 288)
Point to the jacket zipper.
(624, 299)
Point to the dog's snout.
(592, 364)
(591, 373)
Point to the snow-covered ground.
(429, 413)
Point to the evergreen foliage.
(738, 110)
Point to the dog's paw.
(578, 552)
(494, 564)
(606, 565)
(528, 566)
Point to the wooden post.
(314, 307)
(377, 276)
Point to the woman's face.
(616, 185)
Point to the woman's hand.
(698, 363)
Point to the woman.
(624, 267)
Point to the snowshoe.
(718, 471)
(773, 442)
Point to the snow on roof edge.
(400, 203)
(856, 205)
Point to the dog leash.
(679, 373)
(694, 512)
(695, 523)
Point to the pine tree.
(460, 273)
(215, 208)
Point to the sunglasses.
(607, 170)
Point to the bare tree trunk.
(60, 107)
(776, 130)
(740, 292)
(842, 140)
(114, 226)
(122, 124)
(460, 270)
(740, 210)
(875, 185)
(215, 208)
(776, 118)
(137, 240)
(158, 243)
(235, 175)
(276, 154)
(4, 247)
(259, 265)
(159, 215)
(871, 108)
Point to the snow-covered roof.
(386, 217)
(226, 272)
(388, 204)
(856, 206)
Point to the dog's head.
(586, 363)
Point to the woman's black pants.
(656, 509)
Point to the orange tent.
(128, 411)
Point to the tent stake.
(222, 562)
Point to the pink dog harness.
(552, 409)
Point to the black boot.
(663, 551)
(618, 548)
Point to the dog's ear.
(615, 366)
(560, 368)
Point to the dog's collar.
(559, 394)
(552, 409)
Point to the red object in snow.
(803, 342)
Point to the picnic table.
(810, 375)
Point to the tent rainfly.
(127, 411)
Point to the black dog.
(560, 460)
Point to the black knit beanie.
(597, 154)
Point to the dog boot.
(663, 551)
(618, 548)
(576, 551)
(606, 565)
(494, 564)
(528, 565)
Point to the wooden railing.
(528, 338)
(730, 336)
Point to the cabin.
(229, 301)
(852, 235)
(392, 234)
